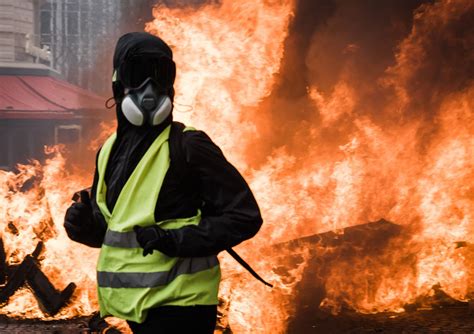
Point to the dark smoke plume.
(379, 49)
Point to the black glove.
(79, 221)
(154, 238)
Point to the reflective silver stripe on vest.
(149, 280)
(121, 239)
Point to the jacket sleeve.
(230, 213)
(100, 226)
(94, 237)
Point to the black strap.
(247, 266)
(178, 162)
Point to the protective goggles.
(137, 69)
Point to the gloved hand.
(79, 221)
(152, 238)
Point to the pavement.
(456, 320)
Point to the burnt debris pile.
(28, 273)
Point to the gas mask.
(143, 105)
(147, 81)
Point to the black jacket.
(230, 213)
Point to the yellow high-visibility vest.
(129, 284)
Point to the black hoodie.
(230, 213)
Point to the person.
(159, 227)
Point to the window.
(4, 148)
(67, 134)
(46, 23)
(73, 23)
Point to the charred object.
(28, 273)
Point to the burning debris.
(32, 257)
(369, 238)
(317, 254)
(28, 273)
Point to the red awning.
(43, 97)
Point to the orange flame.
(410, 162)
(226, 56)
(383, 169)
(33, 202)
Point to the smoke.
(331, 42)
(433, 63)
(437, 58)
(396, 61)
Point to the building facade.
(38, 107)
(81, 35)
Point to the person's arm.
(230, 213)
(83, 221)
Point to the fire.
(399, 146)
(226, 55)
(33, 202)
(378, 162)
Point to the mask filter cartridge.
(143, 105)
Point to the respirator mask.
(146, 83)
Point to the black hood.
(132, 141)
(132, 44)
(140, 42)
